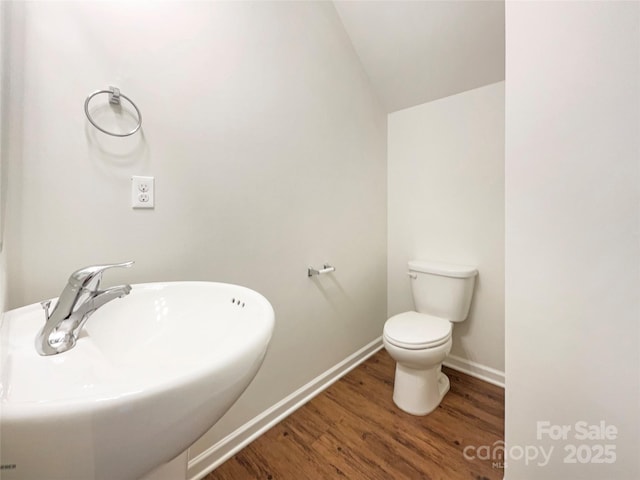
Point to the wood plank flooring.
(353, 430)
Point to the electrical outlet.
(142, 192)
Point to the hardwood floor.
(353, 430)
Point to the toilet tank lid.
(445, 269)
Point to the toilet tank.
(441, 289)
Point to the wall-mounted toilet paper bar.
(325, 269)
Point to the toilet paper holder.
(326, 268)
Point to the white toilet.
(419, 341)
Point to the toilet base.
(419, 391)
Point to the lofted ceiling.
(421, 50)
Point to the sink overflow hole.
(237, 301)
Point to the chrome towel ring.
(114, 99)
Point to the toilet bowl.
(419, 341)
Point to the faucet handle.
(81, 278)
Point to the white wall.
(268, 149)
(572, 231)
(4, 95)
(446, 203)
(419, 51)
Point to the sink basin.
(150, 374)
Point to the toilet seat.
(416, 331)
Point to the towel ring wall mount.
(114, 99)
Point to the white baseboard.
(488, 374)
(217, 454)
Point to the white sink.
(150, 374)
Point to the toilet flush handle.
(412, 275)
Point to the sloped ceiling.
(418, 51)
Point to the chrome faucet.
(79, 299)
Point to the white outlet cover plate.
(142, 192)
